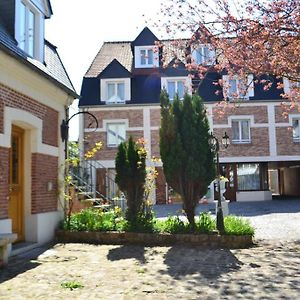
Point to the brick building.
(122, 86)
(35, 92)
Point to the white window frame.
(117, 141)
(137, 56)
(241, 95)
(296, 139)
(104, 90)
(39, 28)
(185, 79)
(209, 60)
(240, 139)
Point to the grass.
(114, 220)
(72, 285)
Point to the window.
(296, 130)
(237, 88)
(241, 131)
(146, 57)
(115, 92)
(175, 86)
(116, 134)
(204, 55)
(290, 86)
(27, 29)
(248, 177)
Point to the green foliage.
(238, 226)
(173, 224)
(113, 220)
(205, 223)
(71, 285)
(131, 176)
(188, 160)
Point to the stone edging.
(156, 239)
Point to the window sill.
(240, 142)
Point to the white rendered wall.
(253, 196)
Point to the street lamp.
(215, 146)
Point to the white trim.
(272, 131)
(237, 159)
(127, 89)
(137, 56)
(27, 121)
(103, 129)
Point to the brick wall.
(155, 143)
(155, 117)
(11, 98)
(106, 153)
(134, 116)
(4, 171)
(44, 169)
(259, 145)
(285, 143)
(260, 114)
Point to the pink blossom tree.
(249, 37)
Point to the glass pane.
(205, 54)
(199, 57)
(15, 160)
(121, 133)
(296, 129)
(248, 177)
(235, 130)
(180, 89)
(150, 57)
(110, 91)
(232, 89)
(121, 91)
(171, 89)
(22, 26)
(31, 33)
(143, 57)
(245, 130)
(111, 134)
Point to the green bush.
(114, 220)
(238, 226)
(205, 223)
(173, 224)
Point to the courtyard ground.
(269, 270)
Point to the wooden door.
(231, 185)
(16, 180)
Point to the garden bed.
(212, 240)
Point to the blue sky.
(78, 29)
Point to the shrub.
(173, 224)
(205, 223)
(238, 226)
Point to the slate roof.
(52, 68)
(107, 53)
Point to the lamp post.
(215, 146)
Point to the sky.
(78, 29)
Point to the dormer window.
(238, 88)
(204, 55)
(29, 28)
(146, 57)
(176, 85)
(115, 90)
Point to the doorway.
(16, 182)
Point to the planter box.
(156, 239)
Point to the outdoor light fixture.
(215, 146)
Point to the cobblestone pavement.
(266, 271)
(269, 270)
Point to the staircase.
(84, 183)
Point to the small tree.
(188, 161)
(131, 176)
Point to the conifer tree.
(188, 161)
(131, 176)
